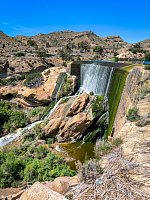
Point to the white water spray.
(94, 78)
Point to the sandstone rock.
(78, 105)
(53, 126)
(9, 91)
(40, 192)
(70, 119)
(62, 184)
(76, 125)
(43, 94)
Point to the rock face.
(40, 192)
(62, 184)
(42, 94)
(70, 119)
(78, 105)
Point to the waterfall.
(95, 78)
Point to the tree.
(98, 49)
(84, 46)
(147, 56)
(65, 53)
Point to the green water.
(79, 151)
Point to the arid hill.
(23, 54)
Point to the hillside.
(21, 53)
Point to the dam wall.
(74, 68)
(128, 99)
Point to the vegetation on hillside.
(30, 164)
(65, 53)
(98, 106)
(133, 114)
(11, 81)
(33, 80)
(10, 118)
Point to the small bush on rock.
(33, 80)
(133, 114)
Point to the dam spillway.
(95, 78)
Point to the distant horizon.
(129, 19)
(73, 31)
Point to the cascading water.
(94, 78)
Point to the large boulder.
(39, 191)
(79, 104)
(62, 184)
(70, 120)
(42, 94)
(75, 127)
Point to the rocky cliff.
(22, 54)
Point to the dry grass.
(113, 184)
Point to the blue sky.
(129, 18)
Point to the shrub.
(133, 114)
(37, 112)
(31, 43)
(116, 142)
(19, 54)
(10, 119)
(103, 147)
(65, 100)
(89, 170)
(8, 81)
(92, 93)
(97, 106)
(147, 56)
(98, 49)
(38, 165)
(84, 46)
(65, 53)
(115, 59)
(35, 133)
(147, 67)
(42, 54)
(33, 80)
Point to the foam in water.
(95, 78)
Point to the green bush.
(104, 147)
(147, 56)
(31, 43)
(8, 81)
(147, 67)
(65, 100)
(117, 141)
(115, 59)
(65, 53)
(98, 49)
(19, 54)
(33, 80)
(10, 119)
(33, 134)
(37, 112)
(37, 165)
(97, 106)
(133, 114)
